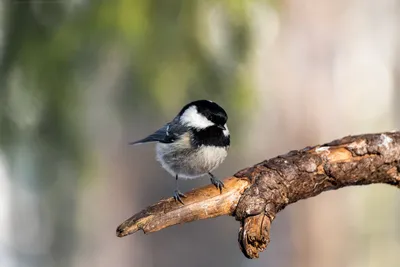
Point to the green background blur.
(79, 79)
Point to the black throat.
(211, 136)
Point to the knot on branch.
(269, 193)
(254, 232)
(258, 206)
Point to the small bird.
(193, 144)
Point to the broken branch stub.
(256, 194)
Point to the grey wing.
(167, 134)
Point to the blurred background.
(79, 79)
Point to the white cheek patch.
(226, 131)
(194, 119)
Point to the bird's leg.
(218, 184)
(177, 193)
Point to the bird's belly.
(190, 163)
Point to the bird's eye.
(219, 120)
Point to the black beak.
(221, 127)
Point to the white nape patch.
(226, 131)
(194, 119)
(322, 149)
(386, 140)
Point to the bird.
(193, 144)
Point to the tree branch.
(256, 194)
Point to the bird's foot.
(177, 196)
(218, 184)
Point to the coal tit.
(194, 143)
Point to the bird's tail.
(142, 141)
(157, 136)
(135, 143)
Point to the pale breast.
(179, 158)
(209, 157)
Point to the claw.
(178, 195)
(218, 184)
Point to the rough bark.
(256, 194)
